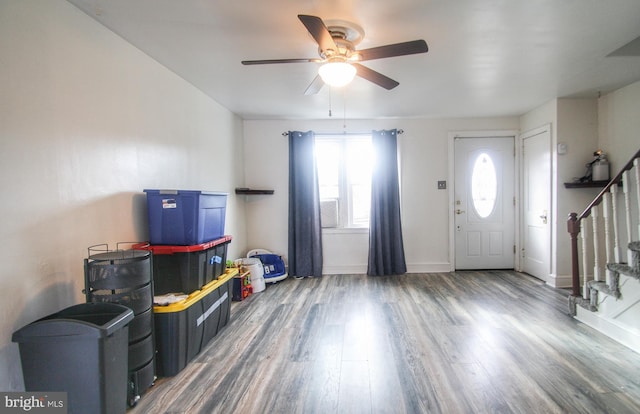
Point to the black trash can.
(81, 350)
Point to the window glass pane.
(360, 205)
(359, 157)
(359, 163)
(328, 163)
(344, 174)
(484, 185)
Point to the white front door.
(484, 203)
(536, 203)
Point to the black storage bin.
(185, 269)
(179, 338)
(226, 292)
(217, 257)
(184, 328)
(180, 272)
(81, 350)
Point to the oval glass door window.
(484, 185)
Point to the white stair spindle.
(596, 243)
(606, 213)
(585, 277)
(626, 184)
(636, 166)
(614, 221)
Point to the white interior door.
(536, 203)
(484, 203)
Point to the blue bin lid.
(170, 191)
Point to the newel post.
(573, 227)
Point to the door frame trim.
(451, 174)
(545, 128)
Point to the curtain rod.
(400, 131)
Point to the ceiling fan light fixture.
(337, 73)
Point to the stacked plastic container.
(192, 287)
(123, 276)
(185, 327)
(185, 269)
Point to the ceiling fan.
(336, 47)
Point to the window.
(484, 185)
(344, 177)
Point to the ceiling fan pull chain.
(344, 110)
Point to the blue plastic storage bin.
(183, 217)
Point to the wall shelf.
(249, 191)
(587, 184)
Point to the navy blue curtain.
(386, 248)
(305, 234)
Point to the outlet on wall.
(442, 185)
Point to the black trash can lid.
(90, 320)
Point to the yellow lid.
(198, 294)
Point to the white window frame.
(345, 193)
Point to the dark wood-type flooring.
(464, 342)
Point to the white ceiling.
(486, 57)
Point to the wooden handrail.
(611, 183)
(573, 224)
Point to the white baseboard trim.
(362, 269)
(428, 268)
(559, 281)
(344, 270)
(608, 328)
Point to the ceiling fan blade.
(396, 49)
(319, 31)
(375, 77)
(269, 61)
(315, 86)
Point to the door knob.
(458, 211)
(544, 217)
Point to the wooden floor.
(465, 342)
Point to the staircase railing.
(605, 235)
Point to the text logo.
(33, 402)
